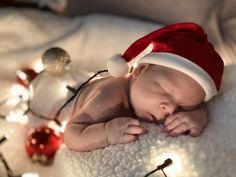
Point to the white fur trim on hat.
(117, 66)
(186, 66)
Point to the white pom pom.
(117, 66)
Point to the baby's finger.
(133, 122)
(178, 130)
(127, 121)
(127, 138)
(135, 130)
(169, 119)
(194, 132)
(175, 123)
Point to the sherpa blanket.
(210, 155)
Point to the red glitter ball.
(43, 142)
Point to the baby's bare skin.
(99, 103)
(109, 111)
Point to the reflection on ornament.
(42, 143)
(56, 61)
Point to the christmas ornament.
(56, 84)
(42, 143)
(56, 61)
(48, 91)
(25, 75)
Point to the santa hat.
(181, 46)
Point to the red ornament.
(25, 76)
(42, 143)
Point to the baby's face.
(158, 91)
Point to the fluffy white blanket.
(93, 39)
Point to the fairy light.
(161, 167)
(63, 90)
(21, 74)
(38, 66)
(176, 167)
(176, 154)
(55, 126)
(19, 90)
(9, 170)
(13, 101)
(4, 138)
(17, 116)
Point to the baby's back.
(104, 98)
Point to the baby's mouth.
(151, 117)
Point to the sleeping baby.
(164, 77)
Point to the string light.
(74, 91)
(77, 91)
(10, 172)
(18, 90)
(24, 94)
(4, 138)
(7, 167)
(38, 66)
(161, 167)
(13, 100)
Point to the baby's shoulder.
(107, 90)
(110, 88)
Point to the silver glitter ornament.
(56, 61)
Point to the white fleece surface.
(25, 34)
(210, 155)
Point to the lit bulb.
(54, 126)
(19, 90)
(21, 75)
(13, 101)
(17, 116)
(175, 167)
(38, 66)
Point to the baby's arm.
(193, 121)
(89, 130)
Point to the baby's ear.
(139, 69)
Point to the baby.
(164, 77)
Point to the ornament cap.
(56, 61)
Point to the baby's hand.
(123, 130)
(192, 122)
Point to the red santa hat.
(181, 46)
